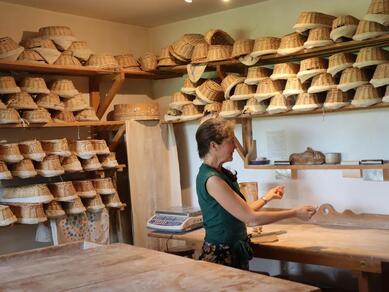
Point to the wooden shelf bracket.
(117, 84)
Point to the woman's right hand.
(305, 213)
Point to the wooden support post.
(118, 81)
(242, 153)
(94, 92)
(116, 139)
(363, 281)
(220, 72)
(247, 133)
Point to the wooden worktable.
(362, 250)
(121, 267)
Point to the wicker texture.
(291, 43)
(148, 62)
(311, 67)
(210, 91)
(21, 101)
(352, 78)
(182, 48)
(230, 108)
(178, 100)
(243, 91)
(371, 56)
(76, 103)
(381, 75)
(95, 204)
(9, 49)
(229, 82)
(27, 194)
(218, 37)
(75, 207)
(321, 82)
(293, 86)
(242, 47)
(64, 88)
(56, 147)
(113, 201)
(306, 102)
(88, 114)
(63, 191)
(284, 71)
(340, 61)
(378, 12)
(102, 61)
(37, 116)
(84, 188)
(335, 99)
(71, 163)
(136, 111)
(54, 210)
(109, 161)
(68, 60)
(368, 30)
(29, 213)
(34, 85)
(253, 106)
(23, 169)
(278, 104)
(30, 56)
(200, 53)
(6, 216)
(256, 74)
(82, 148)
(10, 153)
(268, 88)
(104, 186)
(344, 26)
(50, 101)
(8, 85)
(9, 116)
(366, 95)
(80, 50)
(32, 149)
(91, 164)
(219, 53)
(265, 46)
(50, 166)
(318, 37)
(312, 19)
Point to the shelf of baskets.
(317, 167)
(97, 125)
(325, 51)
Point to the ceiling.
(147, 13)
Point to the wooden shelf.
(348, 108)
(100, 125)
(80, 71)
(316, 167)
(349, 46)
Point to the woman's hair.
(213, 130)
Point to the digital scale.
(176, 219)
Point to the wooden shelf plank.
(41, 68)
(316, 167)
(349, 46)
(348, 108)
(97, 124)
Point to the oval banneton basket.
(142, 111)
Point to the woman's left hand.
(275, 193)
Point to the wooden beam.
(220, 72)
(94, 92)
(116, 139)
(247, 134)
(242, 153)
(119, 79)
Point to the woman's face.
(226, 150)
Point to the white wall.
(357, 135)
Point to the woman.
(225, 211)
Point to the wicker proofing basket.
(311, 67)
(335, 99)
(56, 147)
(53, 210)
(68, 60)
(38, 116)
(32, 149)
(50, 166)
(136, 111)
(381, 75)
(82, 148)
(113, 201)
(62, 36)
(63, 191)
(378, 12)
(71, 163)
(50, 101)
(10, 153)
(148, 62)
(26, 194)
(321, 82)
(284, 71)
(268, 88)
(369, 30)
(312, 19)
(352, 78)
(371, 56)
(242, 47)
(243, 91)
(306, 102)
(95, 205)
(6, 216)
(178, 100)
(219, 53)
(278, 104)
(318, 37)
(74, 208)
(366, 95)
(218, 37)
(253, 106)
(293, 86)
(9, 116)
(23, 169)
(344, 27)
(64, 117)
(229, 82)
(109, 161)
(210, 91)
(44, 47)
(200, 53)
(64, 88)
(87, 115)
(29, 213)
(127, 61)
(30, 56)
(77, 103)
(8, 85)
(34, 85)
(102, 61)
(4, 172)
(21, 101)
(340, 61)
(91, 164)
(291, 43)
(80, 50)
(104, 186)
(182, 48)
(9, 49)
(84, 188)
(255, 74)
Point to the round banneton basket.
(29, 213)
(210, 91)
(50, 166)
(34, 85)
(84, 188)
(6, 216)
(67, 59)
(64, 88)
(8, 85)
(23, 169)
(32, 149)
(75, 207)
(90, 164)
(10, 153)
(63, 191)
(100, 146)
(56, 147)
(102, 61)
(53, 210)
(291, 43)
(343, 26)
(127, 61)
(95, 204)
(104, 186)
(352, 78)
(27, 194)
(82, 148)
(136, 111)
(219, 53)
(109, 161)
(71, 163)
(4, 172)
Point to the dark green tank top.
(220, 226)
